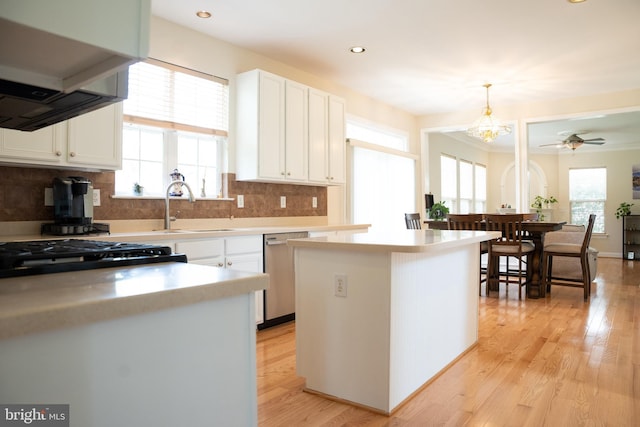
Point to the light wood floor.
(553, 362)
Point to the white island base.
(409, 312)
(162, 345)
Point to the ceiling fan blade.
(594, 139)
(557, 145)
(593, 142)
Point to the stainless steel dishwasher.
(280, 298)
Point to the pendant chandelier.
(488, 128)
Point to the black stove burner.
(54, 256)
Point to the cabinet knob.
(72, 154)
(289, 173)
(229, 263)
(282, 173)
(220, 264)
(58, 153)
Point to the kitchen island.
(380, 315)
(162, 344)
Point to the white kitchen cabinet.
(90, 141)
(95, 138)
(272, 128)
(44, 146)
(242, 253)
(327, 149)
(337, 144)
(204, 252)
(296, 138)
(288, 132)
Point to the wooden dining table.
(536, 231)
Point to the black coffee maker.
(73, 200)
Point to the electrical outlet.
(283, 202)
(96, 197)
(340, 285)
(240, 201)
(314, 202)
(48, 196)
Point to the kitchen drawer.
(198, 249)
(243, 244)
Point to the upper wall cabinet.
(90, 141)
(284, 131)
(327, 149)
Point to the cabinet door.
(318, 136)
(205, 252)
(95, 138)
(337, 144)
(252, 263)
(243, 245)
(271, 134)
(43, 146)
(296, 136)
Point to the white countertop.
(194, 232)
(400, 240)
(51, 301)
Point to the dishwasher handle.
(275, 242)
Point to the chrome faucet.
(167, 218)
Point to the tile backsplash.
(22, 198)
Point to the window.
(480, 188)
(463, 185)
(383, 177)
(587, 195)
(174, 118)
(449, 182)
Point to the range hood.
(59, 59)
(28, 108)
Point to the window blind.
(165, 95)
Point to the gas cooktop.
(54, 256)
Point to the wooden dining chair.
(471, 222)
(412, 220)
(510, 246)
(570, 250)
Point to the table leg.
(534, 284)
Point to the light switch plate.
(314, 202)
(283, 202)
(96, 197)
(240, 201)
(340, 285)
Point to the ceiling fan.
(573, 141)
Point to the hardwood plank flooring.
(557, 361)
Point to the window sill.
(130, 197)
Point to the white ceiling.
(433, 56)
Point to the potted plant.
(438, 211)
(623, 210)
(539, 202)
(138, 189)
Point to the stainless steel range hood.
(64, 58)
(28, 108)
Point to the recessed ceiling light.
(203, 14)
(576, 1)
(357, 49)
